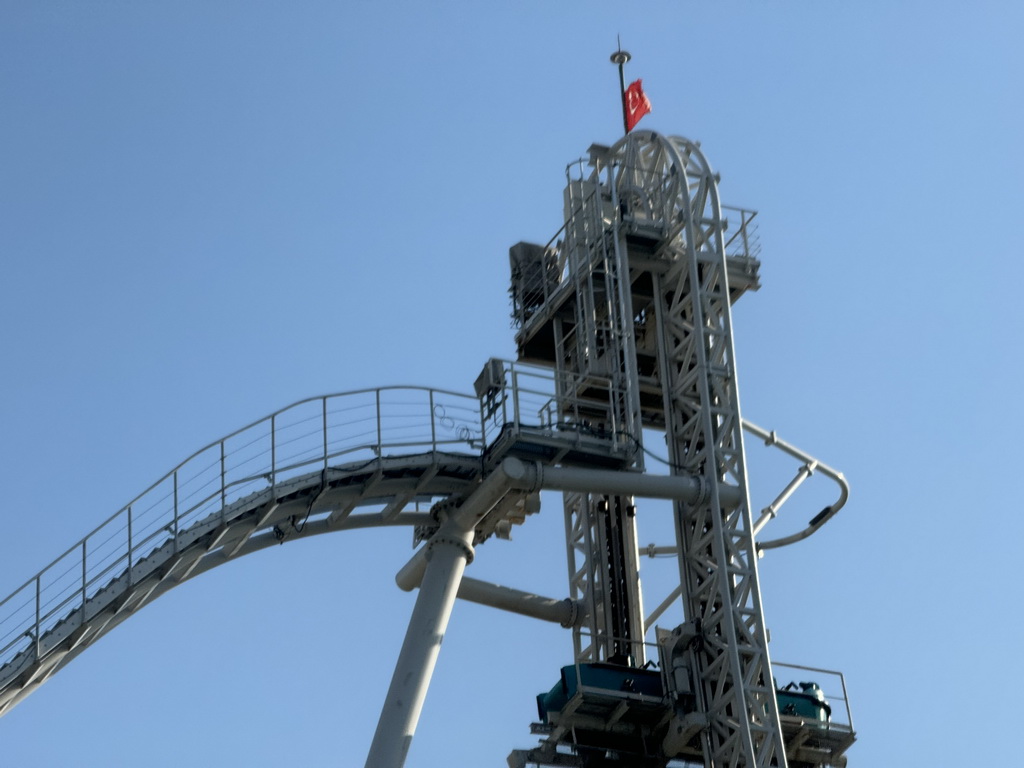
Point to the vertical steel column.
(448, 554)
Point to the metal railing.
(536, 397)
(304, 437)
(832, 683)
(540, 273)
(743, 238)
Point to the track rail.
(302, 470)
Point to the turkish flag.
(637, 104)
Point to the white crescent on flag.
(637, 104)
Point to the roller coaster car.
(812, 738)
(604, 708)
(598, 681)
(614, 712)
(807, 702)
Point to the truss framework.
(644, 256)
(718, 561)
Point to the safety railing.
(831, 682)
(302, 438)
(538, 398)
(539, 272)
(742, 236)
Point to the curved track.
(302, 471)
(305, 506)
(370, 458)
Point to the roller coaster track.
(302, 471)
(370, 458)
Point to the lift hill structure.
(624, 332)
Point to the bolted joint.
(573, 617)
(703, 491)
(454, 541)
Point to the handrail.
(265, 453)
(810, 466)
(749, 245)
(832, 676)
(539, 397)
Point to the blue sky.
(211, 210)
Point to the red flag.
(637, 104)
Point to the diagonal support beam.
(257, 525)
(450, 552)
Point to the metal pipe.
(442, 562)
(663, 606)
(380, 447)
(772, 510)
(476, 506)
(223, 484)
(770, 438)
(565, 612)
(175, 511)
(653, 550)
(38, 633)
(129, 545)
(324, 404)
(85, 578)
(273, 456)
(620, 57)
(450, 551)
(616, 483)
(433, 423)
(513, 474)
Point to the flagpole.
(620, 57)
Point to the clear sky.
(209, 210)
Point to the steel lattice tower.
(645, 250)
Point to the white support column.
(449, 553)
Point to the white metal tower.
(636, 291)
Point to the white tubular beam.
(450, 551)
(612, 482)
(811, 465)
(475, 507)
(662, 607)
(510, 474)
(564, 612)
(440, 564)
